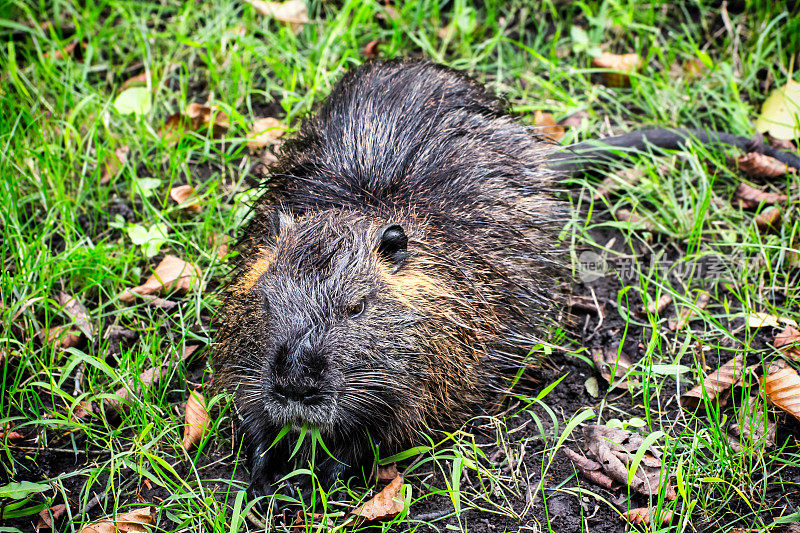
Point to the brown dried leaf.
(762, 166)
(387, 473)
(644, 515)
(388, 503)
(782, 388)
(656, 307)
(7, 432)
(609, 360)
(781, 144)
(615, 448)
(623, 64)
(546, 126)
(61, 53)
(591, 470)
(195, 117)
(789, 341)
(625, 178)
(265, 131)
(135, 521)
(74, 309)
(769, 220)
(134, 81)
(371, 50)
(61, 336)
(753, 424)
(694, 68)
(196, 421)
(687, 313)
(186, 197)
(50, 515)
(220, 242)
(716, 384)
(171, 274)
(750, 197)
(114, 163)
(574, 120)
(203, 116)
(314, 520)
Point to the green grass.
(62, 230)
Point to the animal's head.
(326, 324)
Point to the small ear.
(275, 221)
(393, 243)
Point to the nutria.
(403, 257)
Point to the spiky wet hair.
(413, 185)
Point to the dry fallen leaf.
(591, 470)
(135, 521)
(195, 117)
(769, 220)
(61, 336)
(614, 449)
(387, 473)
(63, 52)
(716, 384)
(788, 341)
(74, 309)
(139, 79)
(766, 320)
(186, 197)
(265, 131)
(763, 166)
(574, 120)
(610, 360)
(371, 50)
(753, 424)
(114, 163)
(196, 420)
(687, 313)
(388, 503)
(220, 242)
(750, 197)
(623, 64)
(171, 274)
(50, 515)
(293, 12)
(655, 307)
(782, 388)
(546, 126)
(319, 522)
(644, 515)
(781, 144)
(8, 432)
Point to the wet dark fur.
(398, 150)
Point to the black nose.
(298, 392)
(298, 371)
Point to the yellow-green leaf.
(780, 114)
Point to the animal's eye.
(356, 309)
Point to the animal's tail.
(587, 154)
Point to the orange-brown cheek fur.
(254, 271)
(451, 348)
